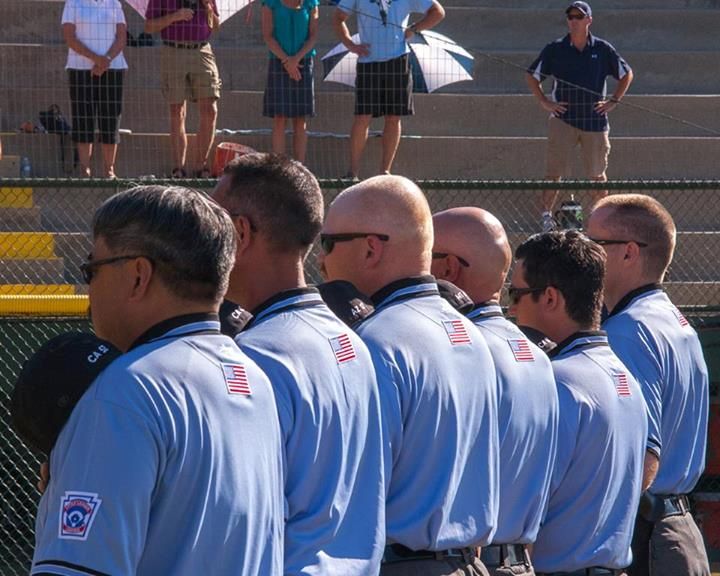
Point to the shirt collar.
(404, 288)
(580, 339)
(287, 299)
(487, 309)
(590, 41)
(179, 326)
(630, 296)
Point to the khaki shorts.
(562, 140)
(189, 74)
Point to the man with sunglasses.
(579, 64)
(436, 376)
(171, 461)
(557, 284)
(660, 347)
(527, 398)
(321, 371)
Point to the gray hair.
(189, 238)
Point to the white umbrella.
(435, 60)
(226, 8)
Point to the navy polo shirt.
(580, 78)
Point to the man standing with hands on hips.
(383, 86)
(188, 72)
(579, 64)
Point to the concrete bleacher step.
(495, 71)
(33, 271)
(36, 289)
(19, 219)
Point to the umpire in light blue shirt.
(556, 288)
(321, 371)
(436, 377)
(657, 343)
(472, 251)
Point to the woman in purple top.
(290, 30)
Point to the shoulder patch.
(236, 379)
(681, 318)
(621, 385)
(521, 350)
(342, 348)
(456, 331)
(77, 513)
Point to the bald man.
(436, 376)
(471, 250)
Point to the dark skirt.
(286, 97)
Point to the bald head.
(477, 237)
(384, 205)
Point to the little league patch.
(77, 512)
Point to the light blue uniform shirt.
(438, 387)
(527, 423)
(171, 463)
(597, 478)
(387, 41)
(329, 408)
(657, 343)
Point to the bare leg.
(299, 138)
(549, 197)
(358, 139)
(178, 137)
(207, 107)
(278, 135)
(109, 152)
(390, 142)
(84, 155)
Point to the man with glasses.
(527, 398)
(657, 343)
(557, 284)
(321, 371)
(579, 64)
(436, 377)
(173, 456)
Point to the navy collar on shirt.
(412, 287)
(590, 42)
(487, 309)
(162, 328)
(630, 296)
(580, 339)
(286, 300)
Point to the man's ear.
(243, 232)
(552, 299)
(141, 275)
(632, 252)
(374, 250)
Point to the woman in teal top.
(290, 30)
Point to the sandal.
(178, 173)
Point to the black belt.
(592, 571)
(184, 46)
(400, 553)
(497, 555)
(656, 507)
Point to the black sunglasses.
(516, 293)
(576, 16)
(328, 241)
(438, 255)
(89, 267)
(601, 242)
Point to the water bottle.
(25, 167)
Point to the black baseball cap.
(346, 301)
(52, 381)
(584, 7)
(457, 297)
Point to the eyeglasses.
(576, 16)
(328, 241)
(515, 293)
(89, 268)
(438, 255)
(601, 242)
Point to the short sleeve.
(347, 6)
(541, 68)
(119, 13)
(69, 12)
(618, 67)
(154, 9)
(420, 6)
(310, 5)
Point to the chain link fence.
(44, 236)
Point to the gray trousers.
(671, 546)
(519, 570)
(430, 567)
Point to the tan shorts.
(562, 140)
(189, 74)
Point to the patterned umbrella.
(435, 60)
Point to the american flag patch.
(679, 315)
(621, 385)
(521, 350)
(457, 332)
(343, 348)
(236, 379)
